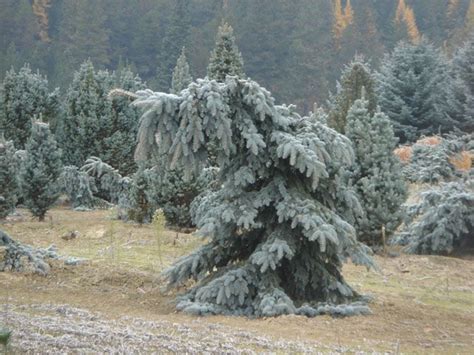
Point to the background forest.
(294, 48)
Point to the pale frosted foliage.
(24, 95)
(40, 171)
(9, 188)
(78, 186)
(377, 175)
(181, 76)
(275, 226)
(110, 184)
(442, 221)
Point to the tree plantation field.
(116, 301)
(150, 206)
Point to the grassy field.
(422, 304)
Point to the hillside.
(296, 49)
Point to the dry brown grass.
(432, 140)
(462, 161)
(404, 153)
(422, 304)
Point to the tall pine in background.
(82, 34)
(275, 241)
(24, 95)
(94, 124)
(462, 85)
(181, 75)
(8, 177)
(41, 170)
(121, 140)
(225, 58)
(175, 37)
(413, 85)
(377, 174)
(356, 78)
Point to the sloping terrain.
(117, 301)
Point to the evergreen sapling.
(377, 175)
(225, 58)
(41, 170)
(181, 76)
(9, 188)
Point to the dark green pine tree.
(225, 58)
(377, 174)
(413, 90)
(82, 35)
(181, 75)
(462, 85)
(23, 95)
(86, 122)
(356, 78)
(9, 188)
(121, 141)
(41, 170)
(141, 206)
(275, 239)
(174, 38)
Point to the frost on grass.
(58, 329)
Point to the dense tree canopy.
(279, 39)
(276, 238)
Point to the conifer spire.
(181, 75)
(225, 58)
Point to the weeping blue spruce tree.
(275, 227)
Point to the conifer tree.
(95, 124)
(462, 85)
(356, 78)
(181, 76)
(120, 144)
(141, 205)
(275, 239)
(174, 38)
(86, 122)
(23, 95)
(8, 177)
(225, 58)
(377, 174)
(41, 170)
(441, 221)
(79, 187)
(82, 34)
(413, 88)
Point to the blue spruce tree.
(276, 240)
(41, 170)
(86, 122)
(23, 95)
(462, 85)
(412, 88)
(8, 177)
(181, 75)
(225, 58)
(377, 174)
